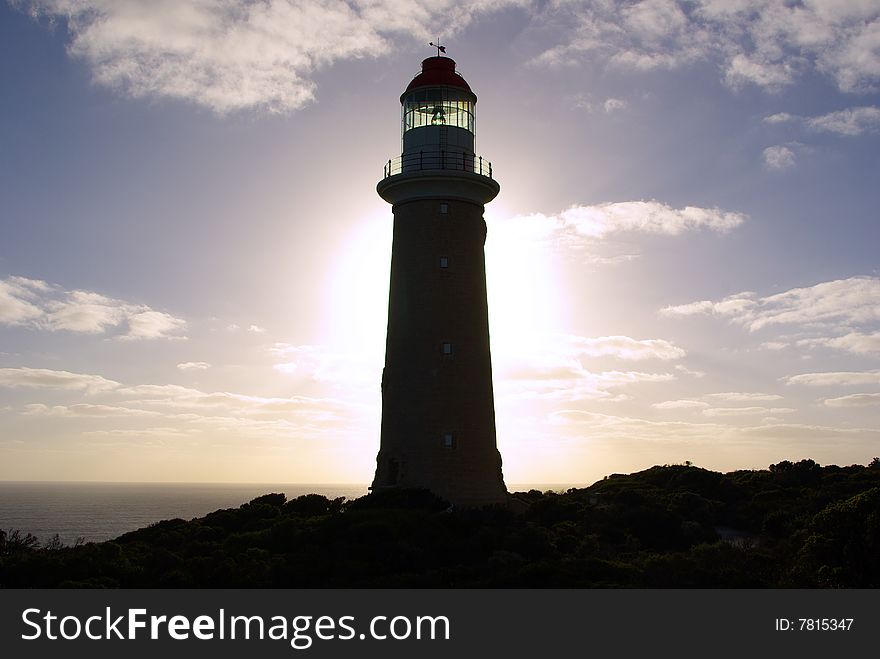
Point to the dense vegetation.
(793, 525)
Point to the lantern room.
(438, 110)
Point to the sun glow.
(526, 298)
(355, 314)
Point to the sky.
(682, 263)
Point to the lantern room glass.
(439, 106)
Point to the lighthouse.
(438, 410)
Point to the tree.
(14, 542)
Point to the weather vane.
(440, 49)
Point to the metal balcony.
(438, 160)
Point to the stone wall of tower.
(438, 418)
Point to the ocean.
(101, 511)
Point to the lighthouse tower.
(438, 411)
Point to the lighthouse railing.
(434, 160)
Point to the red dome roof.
(438, 71)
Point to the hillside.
(792, 525)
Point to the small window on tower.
(444, 261)
(448, 440)
(447, 348)
(444, 209)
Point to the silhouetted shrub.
(794, 525)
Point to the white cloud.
(153, 325)
(647, 217)
(37, 304)
(762, 42)
(687, 371)
(256, 329)
(746, 411)
(614, 104)
(635, 428)
(855, 300)
(228, 56)
(779, 118)
(854, 400)
(855, 342)
(849, 121)
(709, 432)
(85, 410)
(193, 366)
(852, 121)
(83, 311)
(42, 378)
(778, 157)
(624, 347)
(17, 295)
(804, 431)
(163, 432)
(741, 396)
(773, 345)
(679, 404)
(835, 378)
(326, 366)
(555, 368)
(176, 397)
(757, 70)
(578, 224)
(731, 305)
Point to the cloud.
(687, 371)
(835, 378)
(179, 398)
(753, 42)
(773, 345)
(849, 121)
(85, 410)
(229, 56)
(323, 365)
(624, 347)
(193, 366)
(779, 118)
(83, 311)
(556, 368)
(579, 224)
(679, 404)
(852, 121)
(165, 432)
(855, 300)
(746, 411)
(153, 325)
(731, 305)
(17, 295)
(742, 396)
(855, 342)
(603, 426)
(805, 432)
(745, 69)
(256, 329)
(854, 400)
(614, 104)
(35, 303)
(778, 157)
(42, 378)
